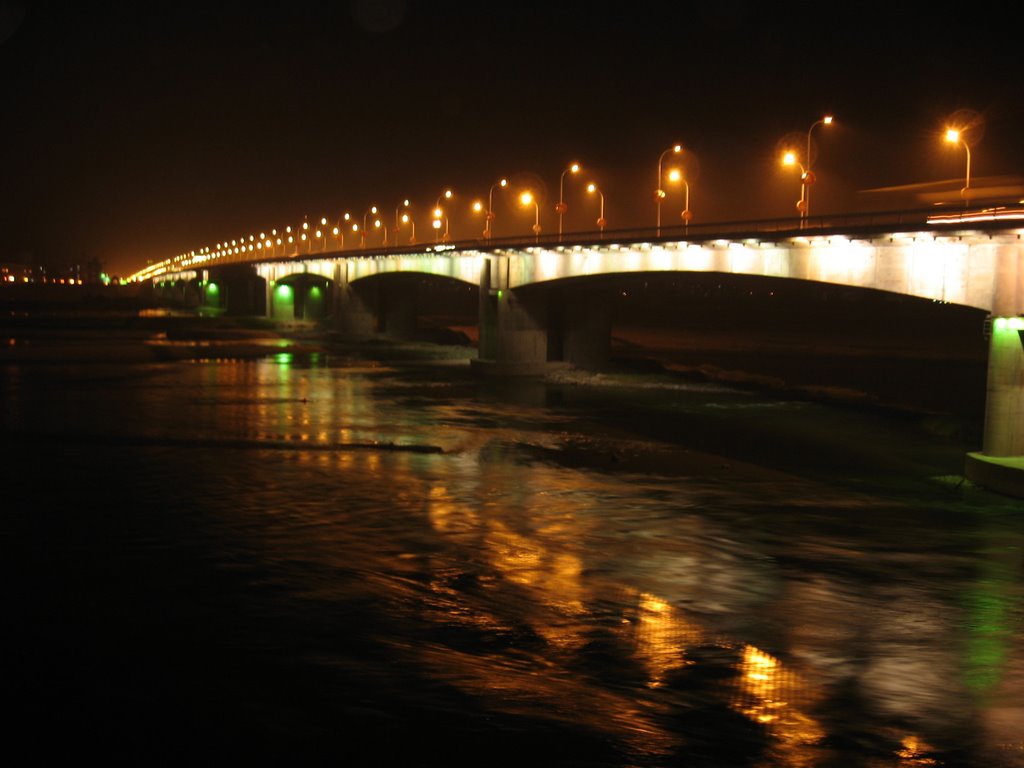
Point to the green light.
(499, 294)
(284, 291)
(999, 324)
(212, 288)
(1016, 323)
(314, 291)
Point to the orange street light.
(675, 175)
(790, 158)
(562, 208)
(808, 176)
(373, 210)
(953, 136)
(399, 220)
(527, 198)
(659, 193)
(592, 189)
(439, 213)
(489, 217)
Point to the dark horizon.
(135, 134)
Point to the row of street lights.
(440, 221)
(280, 242)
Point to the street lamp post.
(339, 228)
(528, 198)
(659, 193)
(592, 189)
(790, 158)
(373, 210)
(562, 208)
(489, 216)
(400, 218)
(808, 177)
(440, 212)
(676, 175)
(953, 136)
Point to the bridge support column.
(1000, 464)
(513, 331)
(353, 307)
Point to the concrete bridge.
(537, 299)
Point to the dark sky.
(137, 131)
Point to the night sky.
(138, 131)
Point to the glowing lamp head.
(373, 210)
(503, 183)
(789, 158)
(335, 231)
(478, 206)
(436, 224)
(323, 221)
(405, 203)
(526, 198)
(438, 213)
(355, 227)
(677, 148)
(376, 223)
(827, 119)
(447, 194)
(591, 188)
(574, 168)
(347, 216)
(305, 225)
(952, 135)
(405, 218)
(675, 175)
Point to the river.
(369, 556)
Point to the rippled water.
(323, 558)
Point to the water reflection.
(547, 565)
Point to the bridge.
(537, 300)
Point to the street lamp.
(489, 217)
(790, 158)
(339, 228)
(953, 136)
(592, 188)
(659, 193)
(439, 213)
(526, 199)
(808, 177)
(399, 219)
(376, 223)
(675, 175)
(562, 208)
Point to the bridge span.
(537, 299)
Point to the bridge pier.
(513, 334)
(355, 318)
(521, 332)
(1000, 463)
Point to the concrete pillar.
(1004, 404)
(513, 331)
(354, 308)
(587, 331)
